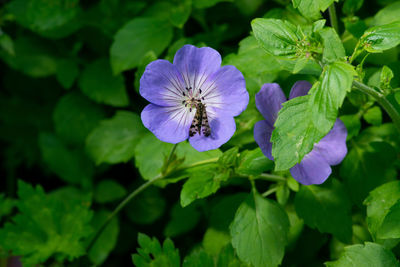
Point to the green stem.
(382, 100)
(333, 18)
(269, 192)
(272, 177)
(129, 198)
(120, 207)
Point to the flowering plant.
(124, 123)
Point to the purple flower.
(315, 167)
(193, 98)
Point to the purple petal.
(333, 146)
(162, 84)
(313, 169)
(300, 88)
(169, 124)
(225, 92)
(262, 135)
(222, 129)
(196, 64)
(269, 101)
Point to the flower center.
(192, 100)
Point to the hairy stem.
(333, 18)
(382, 100)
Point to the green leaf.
(150, 147)
(328, 93)
(326, 208)
(75, 117)
(6, 43)
(388, 14)
(351, 6)
(333, 47)
(369, 254)
(151, 253)
(67, 72)
(277, 37)
(215, 240)
(182, 220)
(115, 139)
(380, 38)
(229, 158)
(99, 84)
(295, 133)
(373, 116)
(108, 191)
(207, 3)
(253, 162)
(282, 194)
(367, 160)
(304, 120)
(135, 39)
(198, 258)
(54, 19)
(107, 239)
(146, 207)
(71, 165)
(311, 8)
(46, 227)
(227, 257)
(33, 56)
(353, 125)
(259, 231)
(386, 76)
(382, 211)
(180, 12)
(202, 182)
(6, 206)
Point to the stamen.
(190, 109)
(202, 97)
(200, 91)
(183, 93)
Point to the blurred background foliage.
(70, 122)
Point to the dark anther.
(183, 101)
(200, 91)
(183, 93)
(186, 105)
(202, 97)
(190, 109)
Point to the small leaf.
(99, 84)
(151, 253)
(380, 38)
(229, 158)
(198, 259)
(311, 8)
(180, 12)
(253, 162)
(214, 240)
(75, 117)
(282, 194)
(369, 254)
(326, 208)
(259, 231)
(277, 37)
(388, 14)
(202, 183)
(115, 139)
(67, 72)
(135, 39)
(333, 47)
(382, 206)
(71, 165)
(108, 191)
(373, 116)
(351, 6)
(353, 125)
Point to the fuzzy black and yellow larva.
(200, 121)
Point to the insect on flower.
(193, 98)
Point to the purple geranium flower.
(315, 167)
(193, 98)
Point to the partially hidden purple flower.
(194, 98)
(315, 167)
